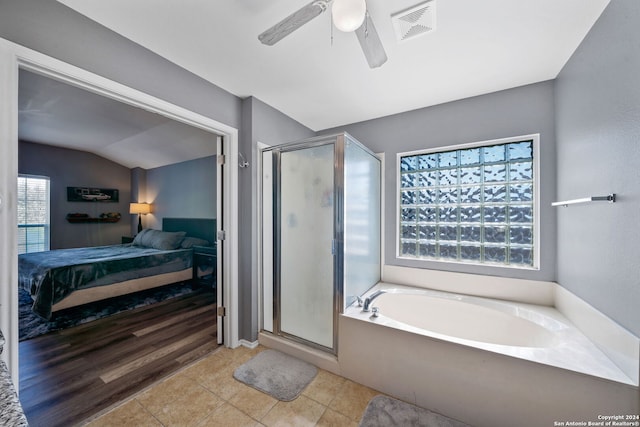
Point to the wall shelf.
(77, 219)
(611, 198)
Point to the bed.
(65, 278)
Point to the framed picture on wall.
(88, 194)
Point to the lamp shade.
(348, 15)
(139, 208)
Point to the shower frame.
(339, 142)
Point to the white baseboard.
(248, 344)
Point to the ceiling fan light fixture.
(348, 15)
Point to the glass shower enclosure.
(320, 235)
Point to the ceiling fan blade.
(370, 43)
(292, 22)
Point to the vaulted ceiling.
(55, 113)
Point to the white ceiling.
(54, 113)
(478, 47)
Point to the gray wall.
(523, 110)
(73, 168)
(138, 194)
(260, 123)
(598, 145)
(185, 190)
(181, 190)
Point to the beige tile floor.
(206, 395)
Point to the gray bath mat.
(277, 374)
(388, 412)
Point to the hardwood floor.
(70, 375)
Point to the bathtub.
(526, 331)
(479, 360)
(467, 319)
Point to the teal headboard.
(202, 228)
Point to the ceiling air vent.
(415, 21)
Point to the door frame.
(14, 57)
(264, 247)
(337, 236)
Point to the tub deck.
(568, 348)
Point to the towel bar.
(611, 198)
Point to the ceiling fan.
(348, 16)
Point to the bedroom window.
(33, 213)
(473, 203)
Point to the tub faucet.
(368, 300)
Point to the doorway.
(14, 58)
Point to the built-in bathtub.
(526, 331)
(483, 361)
(467, 319)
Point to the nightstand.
(126, 239)
(204, 265)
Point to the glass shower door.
(306, 232)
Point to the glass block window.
(33, 214)
(472, 205)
